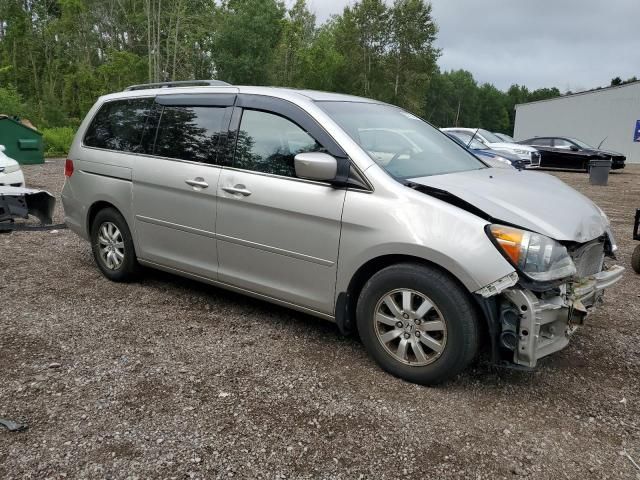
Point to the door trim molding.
(237, 241)
(176, 226)
(279, 251)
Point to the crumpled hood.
(534, 201)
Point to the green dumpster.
(22, 143)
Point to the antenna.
(473, 136)
(600, 144)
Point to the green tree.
(412, 59)
(296, 40)
(321, 63)
(362, 38)
(492, 109)
(246, 35)
(452, 100)
(11, 102)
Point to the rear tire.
(425, 343)
(112, 246)
(635, 259)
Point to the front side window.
(401, 143)
(268, 143)
(580, 143)
(190, 133)
(119, 125)
(541, 142)
(562, 143)
(488, 136)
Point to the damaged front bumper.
(18, 202)
(532, 326)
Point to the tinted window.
(541, 142)
(190, 133)
(267, 143)
(580, 143)
(561, 143)
(119, 124)
(488, 136)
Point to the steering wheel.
(397, 155)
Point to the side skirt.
(233, 288)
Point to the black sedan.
(570, 153)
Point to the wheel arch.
(347, 300)
(95, 208)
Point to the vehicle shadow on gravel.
(239, 304)
(324, 334)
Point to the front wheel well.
(347, 301)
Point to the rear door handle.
(197, 182)
(241, 189)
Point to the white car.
(504, 137)
(10, 171)
(530, 155)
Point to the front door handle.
(197, 182)
(241, 189)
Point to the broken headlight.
(539, 257)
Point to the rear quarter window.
(119, 125)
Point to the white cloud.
(570, 44)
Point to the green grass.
(57, 141)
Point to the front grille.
(535, 158)
(588, 258)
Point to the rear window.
(119, 125)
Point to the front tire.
(417, 323)
(112, 246)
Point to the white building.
(612, 112)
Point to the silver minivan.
(345, 208)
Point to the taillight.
(68, 168)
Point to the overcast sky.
(571, 44)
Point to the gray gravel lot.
(167, 378)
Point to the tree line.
(58, 56)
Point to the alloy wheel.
(111, 245)
(410, 327)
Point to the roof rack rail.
(179, 83)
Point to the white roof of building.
(588, 92)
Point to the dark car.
(571, 153)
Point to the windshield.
(475, 144)
(505, 137)
(489, 137)
(580, 143)
(401, 143)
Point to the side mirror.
(2, 149)
(316, 166)
(573, 148)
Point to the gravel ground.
(167, 378)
